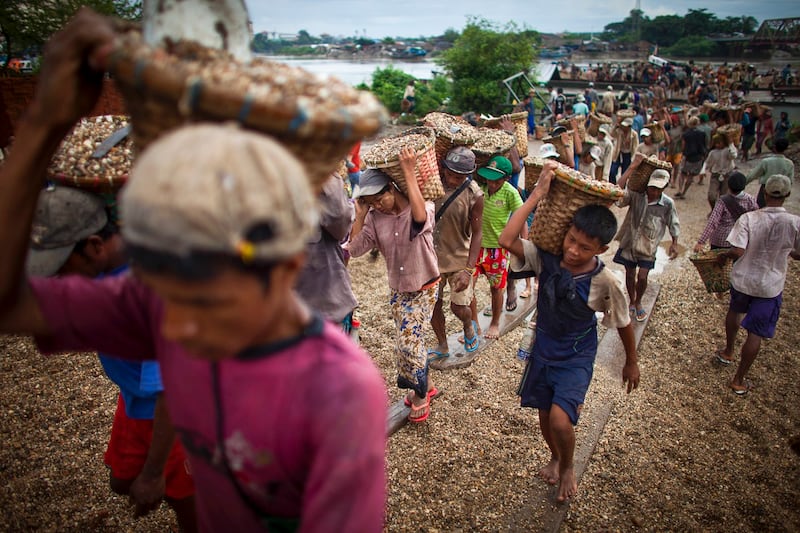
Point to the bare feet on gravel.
(568, 487)
(493, 332)
(550, 472)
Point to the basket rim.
(512, 141)
(519, 115)
(581, 184)
(707, 256)
(395, 159)
(132, 63)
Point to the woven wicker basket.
(451, 131)
(72, 165)
(569, 191)
(595, 121)
(732, 132)
(638, 179)
(657, 132)
(533, 167)
(716, 276)
(622, 114)
(520, 121)
(317, 119)
(489, 144)
(563, 149)
(385, 155)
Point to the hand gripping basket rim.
(520, 121)
(394, 159)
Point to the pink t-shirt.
(303, 422)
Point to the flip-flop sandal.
(470, 345)
(433, 393)
(511, 307)
(747, 387)
(435, 355)
(641, 315)
(426, 412)
(722, 359)
(487, 311)
(525, 294)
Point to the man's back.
(453, 231)
(767, 236)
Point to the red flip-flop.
(433, 393)
(426, 412)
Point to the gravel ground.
(682, 453)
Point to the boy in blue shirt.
(572, 288)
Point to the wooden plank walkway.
(398, 412)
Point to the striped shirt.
(497, 208)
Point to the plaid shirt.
(721, 221)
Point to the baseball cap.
(460, 160)
(548, 150)
(220, 189)
(627, 122)
(645, 132)
(610, 88)
(372, 181)
(605, 128)
(64, 216)
(498, 167)
(778, 186)
(659, 178)
(596, 153)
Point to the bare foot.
(568, 487)
(493, 332)
(550, 472)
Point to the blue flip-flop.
(474, 342)
(435, 355)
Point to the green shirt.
(769, 166)
(496, 210)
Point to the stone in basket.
(83, 161)
(716, 275)
(385, 155)
(520, 121)
(569, 191)
(639, 177)
(451, 131)
(318, 119)
(622, 114)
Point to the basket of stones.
(563, 144)
(520, 122)
(732, 133)
(533, 168)
(715, 273)
(622, 114)
(639, 177)
(580, 122)
(450, 131)
(569, 191)
(385, 155)
(595, 121)
(318, 119)
(489, 144)
(95, 156)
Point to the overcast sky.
(414, 18)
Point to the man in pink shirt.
(281, 415)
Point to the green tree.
(388, 85)
(481, 57)
(27, 24)
(693, 46)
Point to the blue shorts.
(649, 264)
(761, 314)
(546, 385)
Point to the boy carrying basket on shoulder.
(572, 287)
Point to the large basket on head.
(385, 155)
(622, 114)
(490, 143)
(450, 131)
(580, 121)
(520, 122)
(638, 179)
(533, 169)
(562, 148)
(657, 133)
(716, 275)
(569, 191)
(317, 119)
(595, 121)
(732, 132)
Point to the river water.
(354, 71)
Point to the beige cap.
(659, 179)
(778, 186)
(218, 188)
